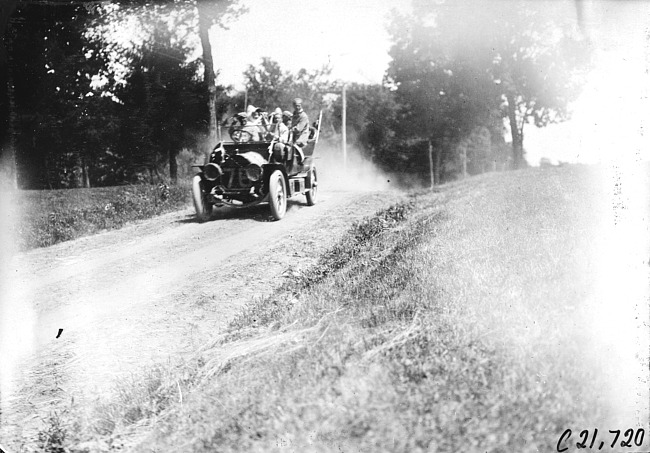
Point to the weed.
(265, 311)
(46, 218)
(52, 438)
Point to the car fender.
(269, 169)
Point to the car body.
(252, 166)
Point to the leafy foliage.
(268, 87)
(49, 217)
(50, 90)
(92, 108)
(457, 65)
(160, 82)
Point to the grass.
(445, 323)
(47, 217)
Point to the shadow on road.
(258, 213)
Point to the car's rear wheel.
(277, 195)
(203, 209)
(312, 182)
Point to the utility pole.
(343, 132)
(464, 160)
(431, 164)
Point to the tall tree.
(371, 118)
(161, 82)
(35, 105)
(50, 81)
(268, 86)
(442, 93)
(530, 52)
(207, 13)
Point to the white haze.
(17, 315)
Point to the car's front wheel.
(277, 195)
(312, 182)
(203, 209)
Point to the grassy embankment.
(46, 217)
(441, 324)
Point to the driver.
(246, 127)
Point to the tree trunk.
(438, 165)
(516, 133)
(86, 176)
(463, 158)
(431, 171)
(205, 23)
(437, 161)
(173, 165)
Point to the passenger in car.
(299, 128)
(254, 115)
(286, 118)
(279, 130)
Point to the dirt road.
(85, 314)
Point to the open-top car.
(250, 165)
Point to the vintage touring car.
(250, 166)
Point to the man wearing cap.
(300, 128)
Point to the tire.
(203, 209)
(312, 193)
(277, 194)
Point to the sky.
(612, 112)
(352, 36)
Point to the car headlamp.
(212, 171)
(253, 172)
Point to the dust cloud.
(356, 173)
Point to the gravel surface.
(147, 294)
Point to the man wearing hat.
(278, 128)
(286, 118)
(254, 115)
(280, 132)
(300, 128)
(245, 125)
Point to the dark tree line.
(463, 77)
(79, 108)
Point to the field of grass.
(449, 322)
(46, 217)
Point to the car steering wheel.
(241, 136)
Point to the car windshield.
(243, 133)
